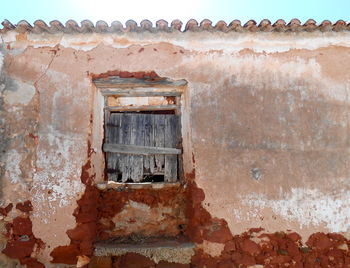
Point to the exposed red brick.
(17, 249)
(230, 246)
(112, 203)
(126, 74)
(4, 211)
(133, 260)
(8, 227)
(22, 242)
(280, 259)
(65, 254)
(25, 206)
(320, 241)
(165, 264)
(246, 260)
(203, 260)
(82, 232)
(22, 226)
(139, 75)
(250, 247)
(85, 176)
(153, 75)
(100, 262)
(198, 217)
(225, 264)
(217, 232)
(294, 237)
(32, 263)
(255, 230)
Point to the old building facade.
(257, 173)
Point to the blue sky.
(184, 10)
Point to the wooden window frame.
(120, 87)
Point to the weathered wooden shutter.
(142, 145)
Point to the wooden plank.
(107, 115)
(171, 140)
(136, 161)
(117, 82)
(142, 144)
(112, 165)
(141, 108)
(119, 140)
(159, 127)
(112, 136)
(136, 149)
(124, 160)
(115, 125)
(132, 93)
(148, 161)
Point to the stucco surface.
(277, 145)
(265, 116)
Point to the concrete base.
(161, 250)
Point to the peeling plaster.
(63, 190)
(19, 94)
(309, 207)
(271, 72)
(212, 248)
(12, 166)
(138, 217)
(226, 42)
(63, 175)
(139, 206)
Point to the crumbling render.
(261, 125)
(253, 247)
(22, 244)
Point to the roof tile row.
(87, 26)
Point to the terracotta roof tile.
(162, 25)
(192, 25)
(101, 26)
(176, 25)
(221, 26)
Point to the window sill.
(165, 249)
(145, 185)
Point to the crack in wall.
(48, 66)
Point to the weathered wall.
(266, 119)
(277, 145)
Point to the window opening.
(142, 141)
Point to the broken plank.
(125, 136)
(136, 161)
(148, 161)
(112, 136)
(137, 149)
(159, 127)
(171, 140)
